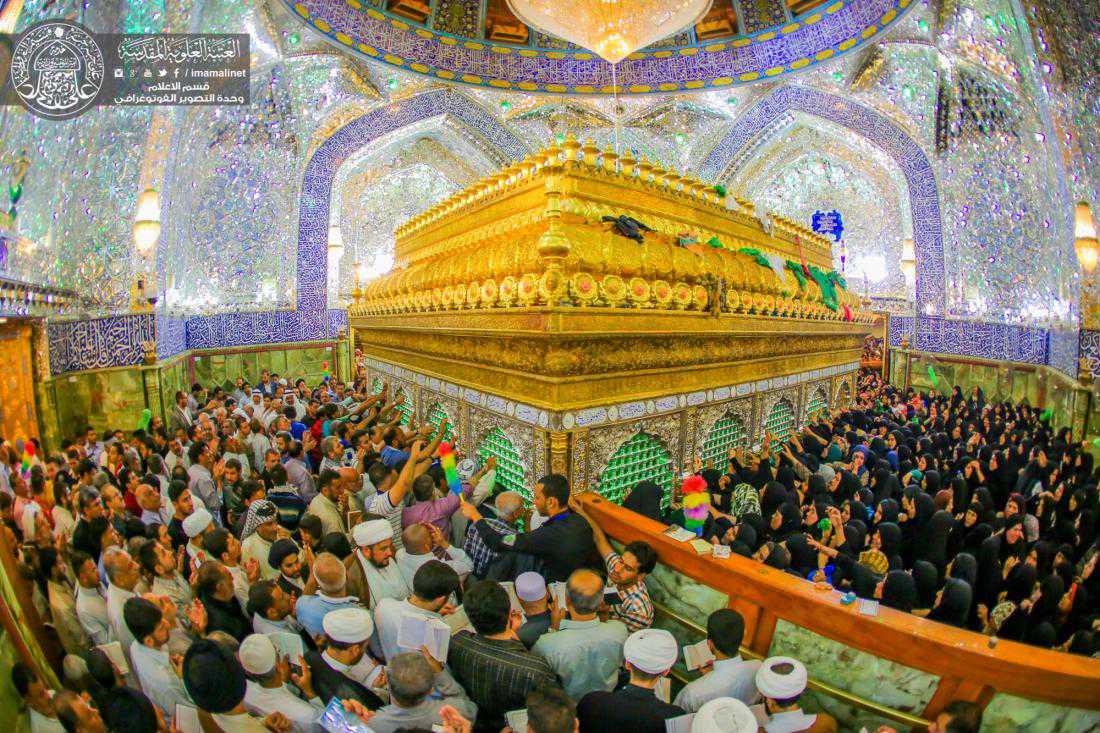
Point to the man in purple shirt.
(428, 507)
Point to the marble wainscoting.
(870, 677)
(683, 596)
(1008, 713)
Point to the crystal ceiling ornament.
(613, 29)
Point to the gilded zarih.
(517, 286)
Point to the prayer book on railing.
(679, 534)
(701, 546)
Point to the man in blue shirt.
(330, 580)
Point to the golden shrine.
(522, 296)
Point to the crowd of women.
(970, 512)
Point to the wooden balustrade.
(968, 665)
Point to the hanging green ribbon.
(828, 290)
(716, 243)
(796, 269)
(756, 255)
(837, 280)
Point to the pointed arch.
(883, 133)
(641, 457)
(312, 319)
(511, 471)
(728, 431)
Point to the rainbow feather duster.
(447, 461)
(696, 502)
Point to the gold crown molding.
(533, 234)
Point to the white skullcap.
(530, 587)
(372, 532)
(653, 651)
(30, 511)
(781, 685)
(724, 715)
(197, 522)
(257, 654)
(74, 667)
(348, 625)
(466, 468)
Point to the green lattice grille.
(728, 432)
(510, 472)
(436, 415)
(406, 409)
(376, 385)
(817, 404)
(780, 422)
(642, 458)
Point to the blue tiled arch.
(924, 199)
(312, 320)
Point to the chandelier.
(613, 29)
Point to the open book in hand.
(557, 592)
(457, 621)
(513, 599)
(288, 645)
(663, 690)
(185, 719)
(420, 631)
(113, 650)
(697, 655)
(517, 720)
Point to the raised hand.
(277, 722)
(196, 614)
(453, 722)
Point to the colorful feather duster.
(696, 503)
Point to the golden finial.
(591, 152)
(609, 159)
(628, 164)
(645, 170)
(571, 146)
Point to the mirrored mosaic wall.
(1002, 105)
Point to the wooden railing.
(970, 666)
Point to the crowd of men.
(285, 557)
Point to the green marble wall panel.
(1008, 713)
(105, 399)
(173, 378)
(683, 596)
(1036, 386)
(864, 675)
(210, 369)
(11, 716)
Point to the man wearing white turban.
(724, 715)
(781, 682)
(372, 572)
(649, 655)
